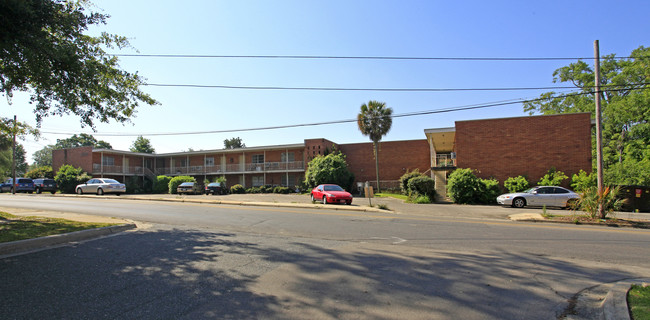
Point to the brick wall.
(317, 147)
(77, 157)
(395, 158)
(528, 146)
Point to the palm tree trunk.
(376, 164)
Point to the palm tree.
(375, 121)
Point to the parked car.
(330, 193)
(22, 185)
(214, 188)
(188, 188)
(43, 184)
(539, 196)
(101, 186)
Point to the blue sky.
(338, 28)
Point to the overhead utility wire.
(373, 89)
(416, 113)
(350, 57)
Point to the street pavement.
(606, 301)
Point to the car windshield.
(214, 184)
(333, 188)
(530, 190)
(110, 181)
(187, 184)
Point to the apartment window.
(288, 157)
(258, 158)
(290, 182)
(258, 181)
(108, 161)
(209, 162)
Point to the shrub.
(176, 181)
(516, 184)
(404, 180)
(552, 178)
(583, 181)
(464, 186)
(254, 190)
(281, 190)
(237, 189)
(266, 189)
(489, 191)
(68, 177)
(421, 199)
(422, 186)
(161, 185)
(40, 172)
(590, 200)
(133, 185)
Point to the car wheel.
(312, 198)
(38, 191)
(79, 191)
(349, 203)
(324, 199)
(519, 202)
(100, 191)
(53, 192)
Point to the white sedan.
(539, 196)
(101, 186)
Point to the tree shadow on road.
(195, 274)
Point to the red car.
(330, 193)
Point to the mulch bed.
(609, 222)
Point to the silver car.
(539, 196)
(101, 186)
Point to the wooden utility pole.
(599, 134)
(13, 159)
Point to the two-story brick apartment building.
(498, 148)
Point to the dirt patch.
(609, 222)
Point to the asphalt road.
(216, 261)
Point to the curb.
(245, 203)
(21, 246)
(607, 301)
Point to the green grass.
(14, 228)
(391, 195)
(639, 302)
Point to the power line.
(315, 57)
(374, 89)
(411, 114)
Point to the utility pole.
(599, 134)
(13, 160)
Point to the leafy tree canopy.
(43, 157)
(233, 143)
(142, 144)
(82, 140)
(625, 97)
(44, 51)
(6, 158)
(331, 168)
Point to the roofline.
(237, 150)
(440, 130)
(529, 116)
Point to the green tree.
(161, 185)
(374, 120)
(6, 159)
(331, 168)
(233, 143)
(44, 51)
(625, 98)
(81, 140)
(68, 177)
(40, 172)
(143, 145)
(43, 157)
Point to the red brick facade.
(77, 157)
(529, 146)
(395, 158)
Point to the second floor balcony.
(292, 166)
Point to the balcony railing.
(214, 169)
(445, 160)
